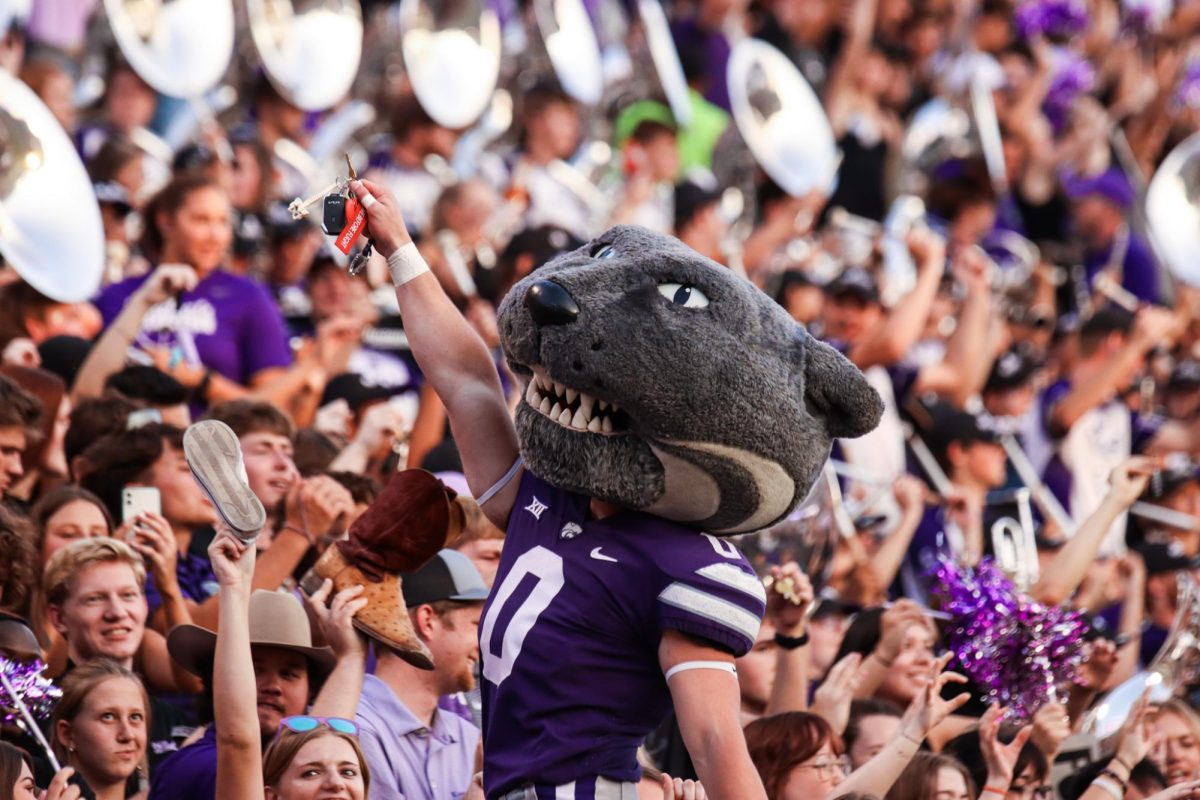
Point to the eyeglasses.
(304, 724)
(1042, 792)
(829, 767)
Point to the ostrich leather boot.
(404, 528)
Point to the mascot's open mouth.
(574, 409)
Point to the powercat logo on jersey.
(570, 530)
(536, 507)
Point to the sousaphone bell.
(1177, 664)
(310, 49)
(666, 60)
(573, 48)
(1173, 211)
(781, 120)
(452, 54)
(179, 47)
(50, 228)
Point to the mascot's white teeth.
(572, 408)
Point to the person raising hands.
(309, 752)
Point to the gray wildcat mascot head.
(661, 381)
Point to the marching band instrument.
(452, 54)
(938, 132)
(43, 185)
(987, 126)
(310, 49)
(666, 60)
(1165, 516)
(573, 48)
(1041, 495)
(179, 47)
(781, 119)
(1014, 545)
(1177, 664)
(1173, 211)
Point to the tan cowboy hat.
(276, 620)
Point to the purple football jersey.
(570, 634)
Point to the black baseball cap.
(449, 575)
(349, 386)
(690, 199)
(942, 424)
(1185, 376)
(854, 281)
(1162, 558)
(1013, 368)
(1106, 320)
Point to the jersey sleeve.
(711, 592)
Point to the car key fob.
(333, 217)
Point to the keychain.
(342, 216)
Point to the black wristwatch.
(200, 393)
(791, 642)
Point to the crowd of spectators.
(216, 304)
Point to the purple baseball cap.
(1110, 184)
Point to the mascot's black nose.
(549, 304)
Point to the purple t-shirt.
(228, 323)
(716, 47)
(1139, 271)
(190, 773)
(569, 637)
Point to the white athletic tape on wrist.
(406, 264)
(721, 666)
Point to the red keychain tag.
(356, 220)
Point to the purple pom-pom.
(1055, 19)
(1073, 76)
(38, 693)
(1020, 652)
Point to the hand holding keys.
(342, 216)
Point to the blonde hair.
(81, 682)
(65, 565)
(281, 752)
(1180, 709)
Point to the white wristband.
(405, 264)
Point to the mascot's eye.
(604, 251)
(684, 295)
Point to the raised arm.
(892, 340)
(108, 354)
(1151, 328)
(239, 749)
(910, 496)
(340, 695)
(707, 703)
(1066, 571)
(965, 369)
(451, 355)
(789, 692)
(925, 713)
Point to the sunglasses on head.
(304, 724)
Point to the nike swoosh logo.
(596, 554)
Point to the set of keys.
(342, 216)
(785, 587)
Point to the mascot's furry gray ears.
(661, 381)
